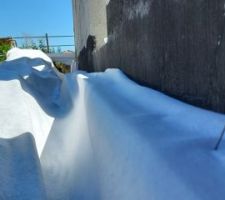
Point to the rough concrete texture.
(175, 46)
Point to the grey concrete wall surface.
(175, 46)
(89, 19)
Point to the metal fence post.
(47, 42)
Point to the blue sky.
(37, 17)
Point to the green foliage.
(3, 51)
(62, 67)
(59, 50)
(29, 44)
(40, 44)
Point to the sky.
(37, 17)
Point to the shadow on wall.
(85, 57)
(173, 46)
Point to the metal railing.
(46, 38)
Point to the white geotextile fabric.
(102, 136)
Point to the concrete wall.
(90, 19)
(175, 46)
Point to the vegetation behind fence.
(33, 42)
(43, 42)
